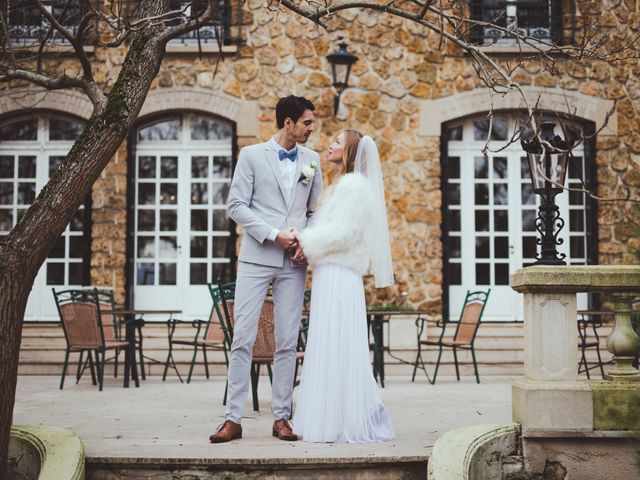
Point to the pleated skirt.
(338, 398)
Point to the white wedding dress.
(338, 398)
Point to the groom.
(274, 190)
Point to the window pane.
(26, 193)
(163, 131)
(168, 220)
(6, 166)
(64, 129)
(27, 167)
(500, 194)
(454, 133)
(6, 220)
(220, 192)
(22, 130)
(499, 129)
(455, 274)
(500, 220)
(75, 274)
(219, 218)
(483, 275)
(199, 220)
(220, 272)
(576, 245)
(77, 221)
(209, 129)
(146, 220)
(58, 249)
(576, 198)
(454, 194)
(501, 247)
(6, 193)
(199, 247)
(147, 167)
(167, 274)
(55, 274)
(482, 221)
(222, 167)
(76, 246)
(169, 167)
(576, 220)
(145, 274)
(198, 273)
(499, 167)
(501, 274)
(529, 246)
(454, 247)
(480, 167)
(454, 220)
(528, 196)
(453, 167)
(199, 194)
(219, 247)
(168, 193)
(529, 221)
(146, 194)
(199, 167)
(168, 247)
(146, 247)
(574, 170)
(481, 194)
(482, 247)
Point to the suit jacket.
(257, 200)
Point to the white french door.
(182, 238)
(31, 148)
(491, 212)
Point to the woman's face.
(336, 150)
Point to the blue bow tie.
(282, 154)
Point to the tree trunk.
(25, 249)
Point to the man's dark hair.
(292, 107)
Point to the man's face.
(299, 131)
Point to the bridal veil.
(368, 164)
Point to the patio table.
(134, 321)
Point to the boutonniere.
(308, 172)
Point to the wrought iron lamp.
(548, 154)
(341, 62)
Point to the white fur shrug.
(340, 229)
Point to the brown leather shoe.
(282, 429)
(226, 432)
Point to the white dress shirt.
(288, 172)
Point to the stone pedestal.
(551, 399)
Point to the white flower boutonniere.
(308, 172)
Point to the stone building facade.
(423, 103)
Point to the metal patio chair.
(208, 335)
(84, 330)
(463, 338)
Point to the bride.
(339, 399)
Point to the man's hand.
(286, 239)
(298, 256)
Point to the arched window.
(31, 149)
(182, 237)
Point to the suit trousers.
(252, 284)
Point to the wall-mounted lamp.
(341, 62)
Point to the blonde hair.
(351, 139)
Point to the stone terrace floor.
(173, 420)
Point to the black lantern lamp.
(341, 62)
(548, 168)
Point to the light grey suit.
(257, 203)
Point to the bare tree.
(144, 33)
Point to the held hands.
(295, 251)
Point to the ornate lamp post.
(341, 62)
(547, 155)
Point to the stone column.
(623, 341)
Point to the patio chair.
(84, 331)
(208, 335)
(264, 346)
(463, 338)
(586, 341)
